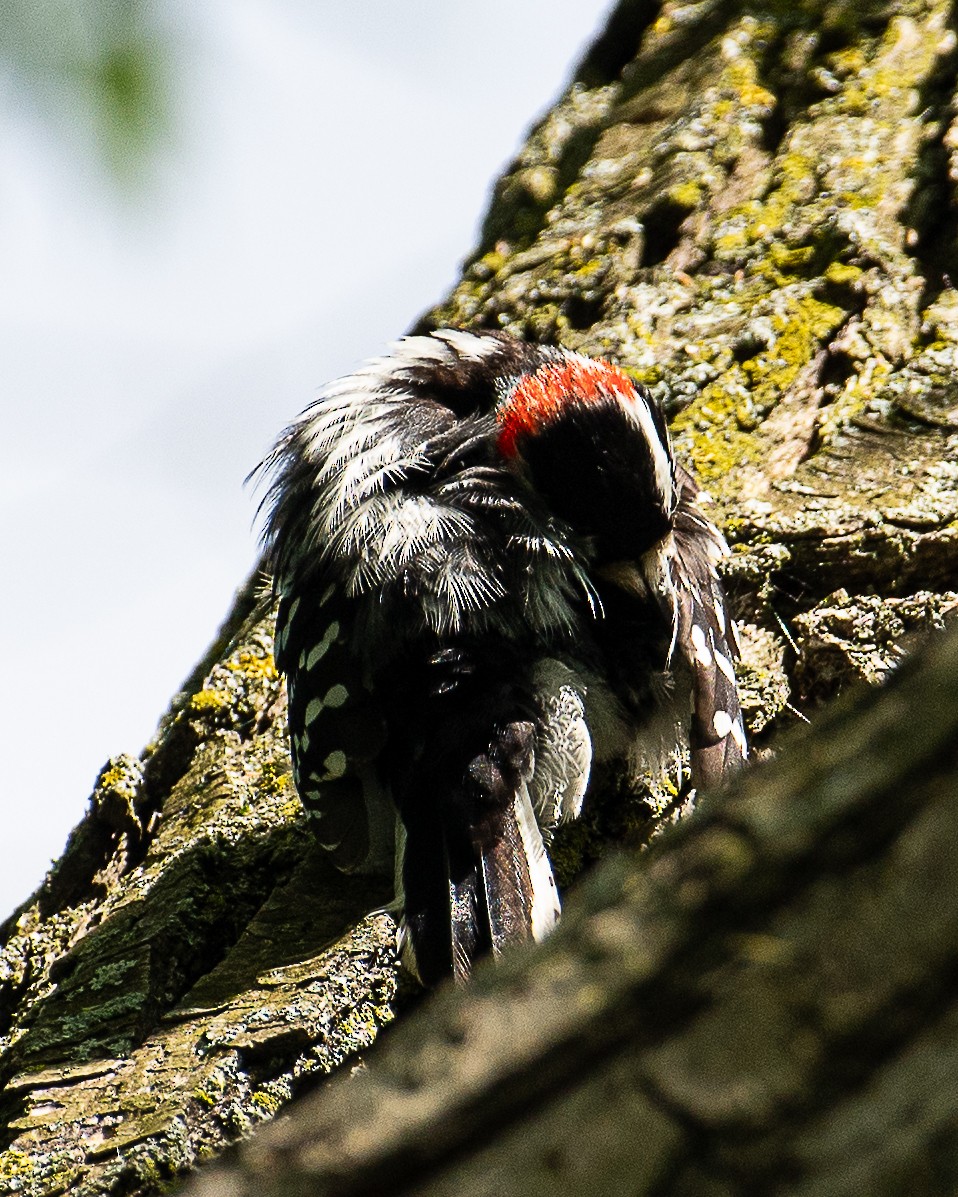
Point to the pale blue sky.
(150, 352)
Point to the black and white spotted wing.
(705, 637)
(336, 729)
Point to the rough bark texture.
(751, 209)
(769, 1004)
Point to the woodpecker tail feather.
(518, 885)
(498, 888)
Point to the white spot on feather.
(722, 722)
(725, 665)
(335, 765)
(335, 696)
(319, 650)
(703, 653)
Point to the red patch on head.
(540, 398)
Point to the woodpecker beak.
(650, 575)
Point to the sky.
(324, 175)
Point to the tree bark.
(767, 1002)
(751, 209)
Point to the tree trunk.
(751, 209)
(767, 1002)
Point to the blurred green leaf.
(97, 71)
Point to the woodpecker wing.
(705, 637)
(337, 729)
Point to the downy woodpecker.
(492, 575)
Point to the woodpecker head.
(594, 445)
